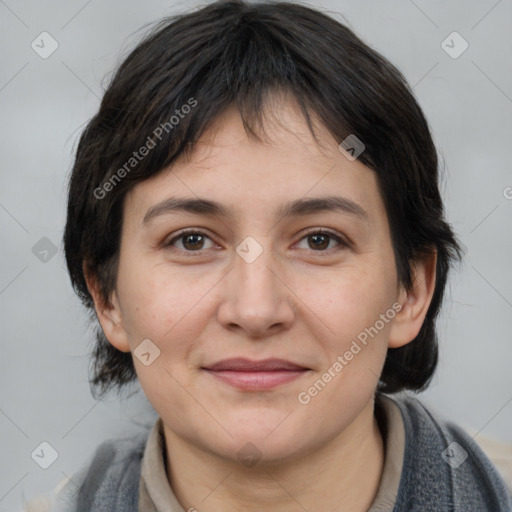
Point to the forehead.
(242, 174)
(285, 136)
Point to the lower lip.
(255, 381)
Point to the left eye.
(191, 240)
(321, 240)
(194, 241)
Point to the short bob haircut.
(185, 73)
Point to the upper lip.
(247, 365)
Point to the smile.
(256, 375)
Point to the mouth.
(249, 375)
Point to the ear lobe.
(108, 314)
(415, 302)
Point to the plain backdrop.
(44, 104)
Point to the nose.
(256, 298)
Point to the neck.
(346, 470)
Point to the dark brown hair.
(235, 52)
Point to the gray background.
(44, 103)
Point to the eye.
(320, 240)
(191, 240)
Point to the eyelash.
(329, 233)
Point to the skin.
(295, 302)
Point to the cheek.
(355, 339)
(159, 309)
(354, 346)
(350, 300)
(169, 308)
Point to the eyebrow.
(299, 207)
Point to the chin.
(250, 452)
(273, 441)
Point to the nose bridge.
(253, 264)
(255, 298)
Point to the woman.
(254, 217)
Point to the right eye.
(191, 240)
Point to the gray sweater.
(443, 470)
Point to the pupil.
(194, 243)
(321, 245)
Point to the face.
(256, 279)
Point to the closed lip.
(247, 365)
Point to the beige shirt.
(156, 494)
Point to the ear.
(415, 302)
(109, 315)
